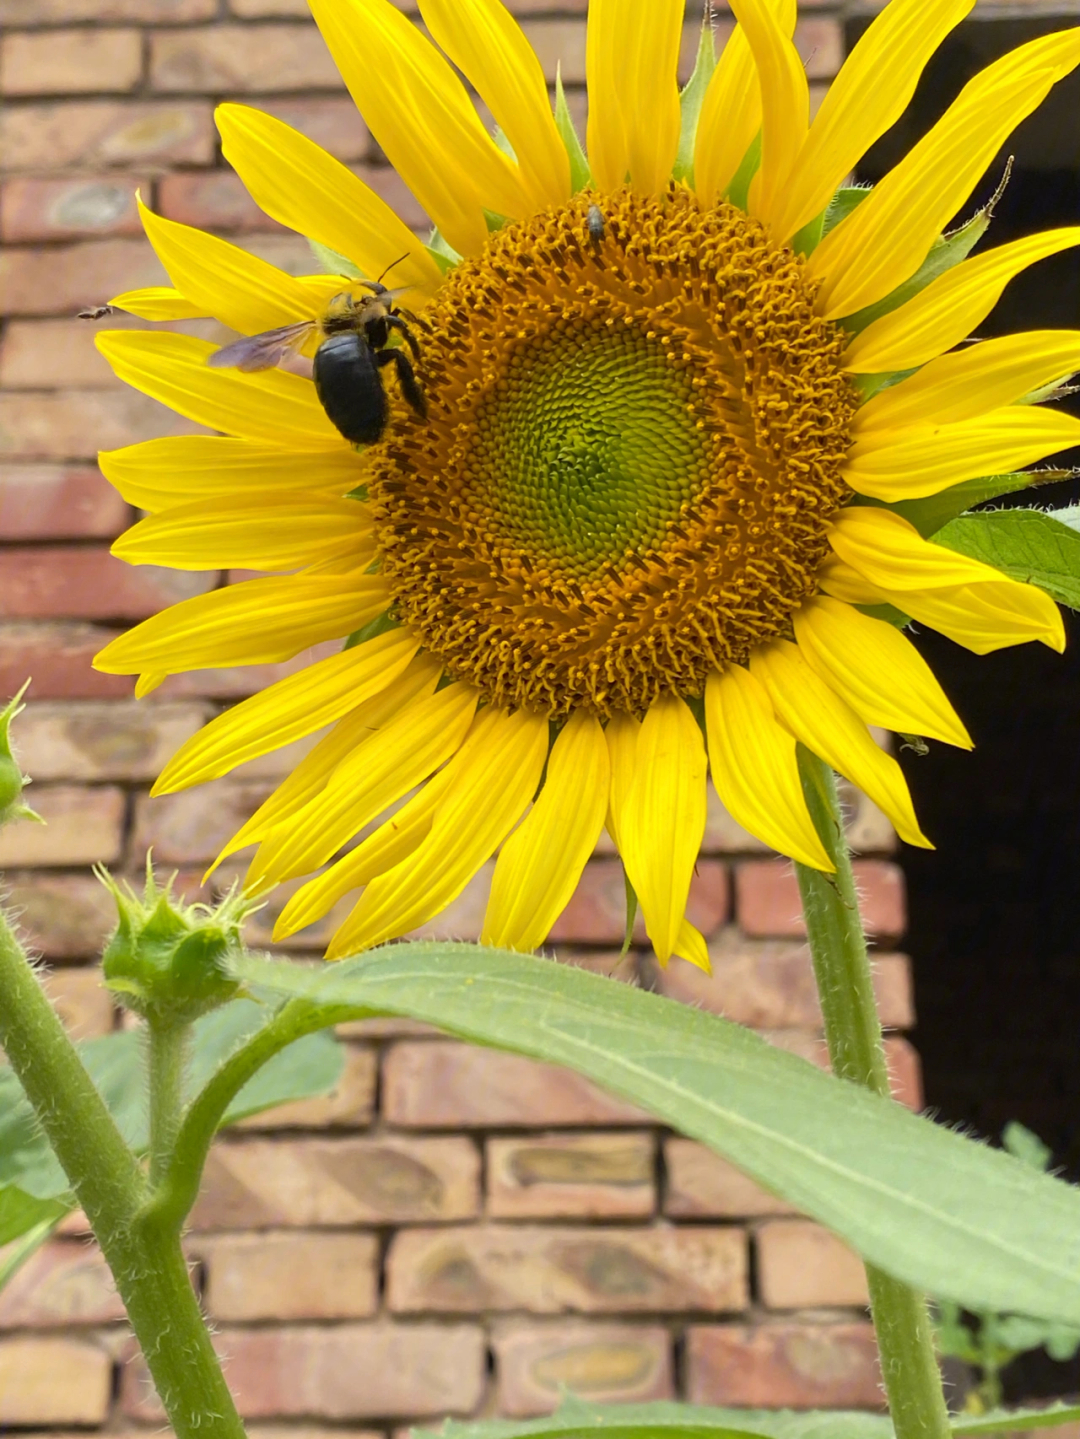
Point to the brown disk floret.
(632, 453)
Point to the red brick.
(76, 424)
(191, 827)
(96, 740)
(243, 59)
(82, 826)
(211, 199)
(331, 121)
(559, 42)
(57, 658)
(556, 1270)
(53, 1381)
(597, 912)
(803, 1266)
(81, 1000)
(820, 43)
(59, 12)
(70, 62)
(347, 1371)
(58, 353)
(262, 1183)
(445, 1085)
(88, 583)
(798, 1366)
(600, 1363)
(61, 281)
(63, 1283)
(387, 183)
(768, 898)
(571, 1176)
(349, 1105)
(264, 9)
(57, 135)
(69, 208)
(291, 1276)
(769, 984)
(701, 1185)
(59, 502)
(239, 681)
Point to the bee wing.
(262, 352)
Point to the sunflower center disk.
(632, 454)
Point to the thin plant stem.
(147, 1261)
(167, 1065)
(853, 1035)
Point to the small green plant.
(990, 1341)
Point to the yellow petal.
(605, 136)
(239, 289)
(491, 779)
(172, 368)
(730, 118)
(293, 707)
(907, 464)
(885, 240)
(632, 55)
(663, 819)
(972, 381)
(146, 684)
(541, 863)
(754, 768)
(158, 302)
(785, 102)
(950, 307)
(950, 592)
(876, 669)
(988, 617)
(691, 946)
(889, 551)
(256, 622)
(486, 43)
(828, 727)
(622, 737)
(310, 776)
(837, 578)
(394, 840)
(403, 753)
(298, 184)
(870, 93)
(252, 534)
(157, 474)
(419, 112)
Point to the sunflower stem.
(853, 1035)
(147, 1261)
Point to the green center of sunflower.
(632, 454)
(586, 451)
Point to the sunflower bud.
(12, 779)
(167, 960)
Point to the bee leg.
(406, 379)
(413, 319)
(394, 322)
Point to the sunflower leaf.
(580, 174)
(1029, 545)
(1018, 1421)
(691, 99)
(935, 511)
(935, 1209)
(23, 1214)
(334, 264)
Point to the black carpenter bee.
(347, 364)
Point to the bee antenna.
(390, 267)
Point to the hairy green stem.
(853, 1034)
(169, 1205)
(167, 1062)
(147, 1262)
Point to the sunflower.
(691, 405)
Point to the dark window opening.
(995, 911)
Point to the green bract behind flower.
(12, 779)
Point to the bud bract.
(167, 960)
(12, 779)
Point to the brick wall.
(453, 1231)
